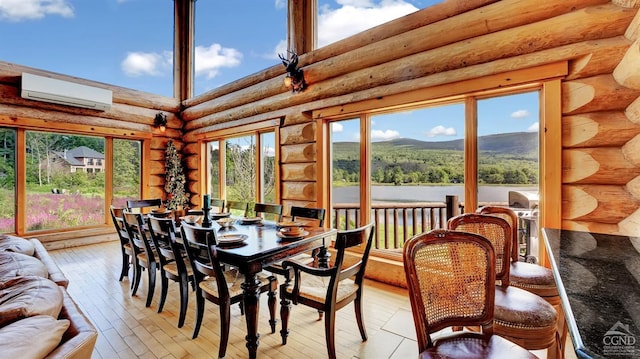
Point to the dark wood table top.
(263, 246)
(598, 277)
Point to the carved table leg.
(251, 288)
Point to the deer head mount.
(295, 76)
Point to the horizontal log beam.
(598, 93)
(597, 203)
(627, 73)
(595, 129)
(597, 165)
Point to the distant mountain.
(520, 143)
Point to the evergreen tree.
(174, 183)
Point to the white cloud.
(441, 131)
(336, 24)
(146, 63)
(209, 60)
(336, 127)
(520, 114)
(281, 4)
(384, 135)
(18, 10)
(280, 49)
(534, 127)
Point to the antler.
(291, 64)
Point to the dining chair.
(520, 316)
(268, 211)
(316, 218)
(329, 289)
(451, 282)
(529, 276)
(242, 207)
(221, 287)
(125, 244)
(308, 213)
(144, 205)
(174, 264)
(145, 256)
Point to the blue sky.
(129, 43)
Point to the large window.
(7, 180)
(245, 170)
(397, 168)
(57, 181)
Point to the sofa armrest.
(55, 274)
(80, 338)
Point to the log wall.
(455, 41)
(434, 48)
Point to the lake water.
(425, 193)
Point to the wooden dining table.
(262, 247)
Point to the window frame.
(256, 129)
(108, 134)
(546, 79)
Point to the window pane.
(126, 171)
(231, 42)
(214, 169)
(267, 163)
(7, 181)
(65, 181)
(241, 169)
(507, 146)
(508, 159)
(417, 159)
(345, 172)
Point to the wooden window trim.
(546, 79)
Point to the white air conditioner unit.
(46, 89)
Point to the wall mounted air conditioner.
(46, 89)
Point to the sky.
(129, 43)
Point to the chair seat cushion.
(16, 244)
(474, 345)
(234, 281)
(517, 307)
(534, 278)
(315, 288)
(16, 264)
(27, 296)
(172, 268)
(32, 337)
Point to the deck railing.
(396, 222)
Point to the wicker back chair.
(496, 230)
(529, 276)
(520, 316)
(451, 276)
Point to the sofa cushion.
(32, 337)
(28, 296)
(16, 244)
(16, 264)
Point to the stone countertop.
(598, 277)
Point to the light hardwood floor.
(127, 329)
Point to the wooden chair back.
(200, 244)
(242, 207)
(451, 282)
(496, 230)
(317, 214)
(268, 211)
(512, 218)
(163, 234)
(134, 223)
(144, 205)
(118, 223)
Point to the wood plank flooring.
(127, 329)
